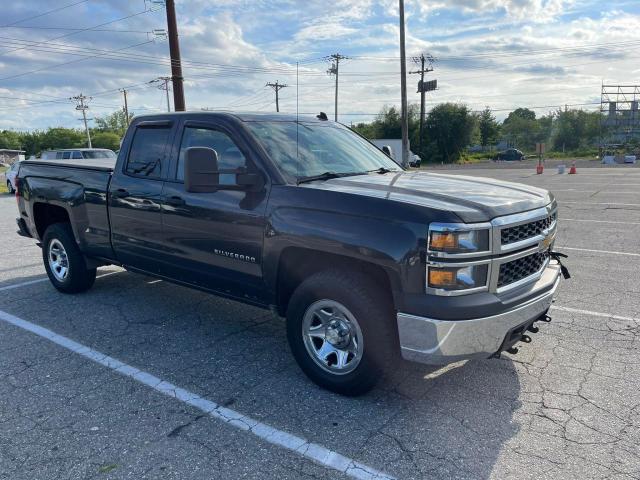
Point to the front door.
(215, 238)
(135, 196)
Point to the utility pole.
(163, 84)
(174, 51)
(334, 69)
(277, 87)
(83, 107)
(403, 91)
(421, 60)
(126, 106)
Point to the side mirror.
(387, 150)
(201, 170)
(249, 181)
(202, 175)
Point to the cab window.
(147, 151)
(229, 155)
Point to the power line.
(69, 29)
(44, 13)
(71, 62)
(83, 30)
(163, 84)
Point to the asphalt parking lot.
(566, 406)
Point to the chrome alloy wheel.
(332, 337)
(58, 260)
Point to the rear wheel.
(63, 261)
(341, 329)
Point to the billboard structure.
(619, 115)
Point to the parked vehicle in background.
(78, 154)
(510, 154)
(10, 176)
(303, 216)
(394, 147)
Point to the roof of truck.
(243, 116)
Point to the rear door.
(215, 238)
(135, 196)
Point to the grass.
(3, 185)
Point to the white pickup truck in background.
(396, 150)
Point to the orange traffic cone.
(573, 170)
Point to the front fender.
(393, 246)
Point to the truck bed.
(78, 186)
(102, 164)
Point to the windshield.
(98, 154)
(319, 148)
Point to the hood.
(473, 199)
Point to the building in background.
(619, 116)
(8, 157)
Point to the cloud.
(496, 52)
(537, 11)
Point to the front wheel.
(63, 261)
(341, 329)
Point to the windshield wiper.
(326, 176)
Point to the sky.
(505, 54)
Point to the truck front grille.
(520, 268)
(526, 230)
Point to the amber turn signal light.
(444, 241)
(441, 278)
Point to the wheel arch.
(46, 214)
(298, 263)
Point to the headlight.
(457, 278)
(450, 239)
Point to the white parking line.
(298, 445)
(594, 192)
(45, 279)
(608, 252)
(601, 203)
(23, 284)
(562, 219)
(595, 314)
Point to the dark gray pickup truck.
(303, 216)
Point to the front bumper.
(438, 342)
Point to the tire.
(65, 264)
(341, 297)
(10, 187)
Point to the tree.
(488, 127)
(62, 138)
(575, 129)
(108, 140)
(521, 113)
(521, 129)
(10, 140)
(115, 122)
(387, 125)
(449, 128)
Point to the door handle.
(120, 193)
(175, 201)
